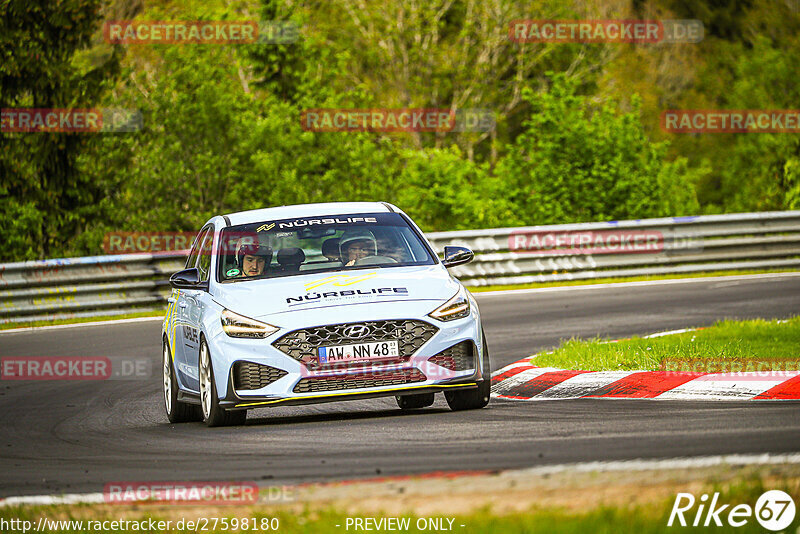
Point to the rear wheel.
(177, 411)
(414, 402)
(213, 413)
(472, 399)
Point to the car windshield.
(288, 247)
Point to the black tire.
(414, 402)
(212, 413)
(473, 399)
(177, 411)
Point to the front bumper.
(239, 403)
(428, 377)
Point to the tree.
(40, 46)
(450, 54)
(190, 155)
(576, 162)
(754, 174)
(442, 191)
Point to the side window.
(192, 259)
(204, 262)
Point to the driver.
(252, 257)
(356, 244)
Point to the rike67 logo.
(774, 510)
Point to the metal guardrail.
(115, 285)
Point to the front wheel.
(213, 413)
(177, 411)
(472, 399)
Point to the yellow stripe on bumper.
(355, 393)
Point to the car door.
(185, 336)
(196, 302)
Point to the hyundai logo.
(356, 331)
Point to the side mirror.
(456, 256)
(188, 279)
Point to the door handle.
(171, 300)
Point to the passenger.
(356, 244)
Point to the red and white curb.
(522, 380)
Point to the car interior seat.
(290, 259)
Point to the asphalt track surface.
(73, 437)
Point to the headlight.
(236, 325)
(455, 308)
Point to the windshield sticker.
(232, 272)
(330, 297)
(341, 280)
(302, 223)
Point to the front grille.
(459, 357)
(249, 375)
(359, 381)
(302, 344)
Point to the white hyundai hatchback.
(317, 303)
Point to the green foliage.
(752, 65)
(191, 154)
(743, 342)
(49, 201)
(578, 162)
(443, 191)
(222, 127)
(792, 173)
(756, 175)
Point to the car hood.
(332, 290)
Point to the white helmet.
(357, 234)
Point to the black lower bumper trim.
(243, 404)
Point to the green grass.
(646, 518)
(736, 341)
(481, 289)
(76, 320)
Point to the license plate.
(359, 351)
